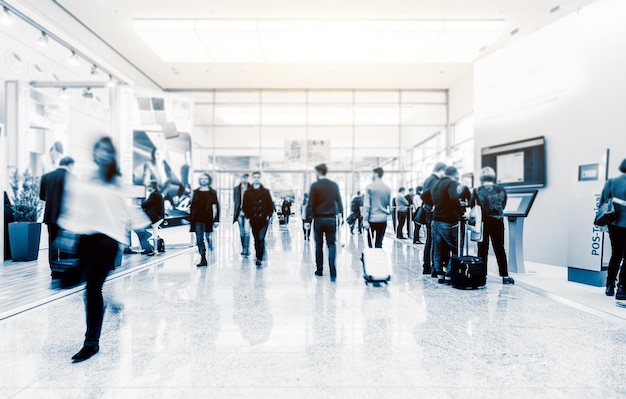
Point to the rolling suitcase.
(467, 271)
(376, 264)
(160, 244)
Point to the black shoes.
(129, 251)
(203, 262)
(610, 290)
(426, 270)
(85, 353)
(258, 262)
(620, 295)
(318, 273)
(148, 253)
(508, 280)
(434, 274)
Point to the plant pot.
(24, 240)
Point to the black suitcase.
(160, 244)
(467, 271)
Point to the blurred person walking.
(97, 211)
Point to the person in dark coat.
(285, 209)
(205, 215)
(429, 183)
(8, 218)
(258, 207)
(240, 217)
(615, 190)
(154, 207)
(51, 191)
(492, 200)
(324, 205)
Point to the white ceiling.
(113, 21)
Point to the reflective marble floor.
(231, 329)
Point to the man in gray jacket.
(376, 207)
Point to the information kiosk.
(517, 207)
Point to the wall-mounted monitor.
(519, 203)
(520, 164)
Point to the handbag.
(475, 223)
(605, 213)
(420, 216)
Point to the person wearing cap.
(429, 183)
(615, 190)
(324, 205)
(376, 204)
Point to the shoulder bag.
(606, 211)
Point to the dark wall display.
(166, 159)
(520, 164)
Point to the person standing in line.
(306, 217)
(355, 208)
(376, 207)
(205, 215)
(615, 190)
(240, 217)
(258, 207)
(402, 208)
(51, 191)
(492, 199)
(97, 211)
(430, 181)
(417, 202)
(447, 211)
(410, 212)
(324, 205)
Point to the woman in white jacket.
(97, 211)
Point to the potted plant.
(25, 231)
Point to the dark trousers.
(416, 232)
(378, 231)
(97, 254)
(617, 236)
(53, 233)
(494, 229)
(445, 244)
(325, 227)
(201, 234)
(401, 221)
(428, 247)
(259, 229)
(305, 231)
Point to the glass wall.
(352, 131)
